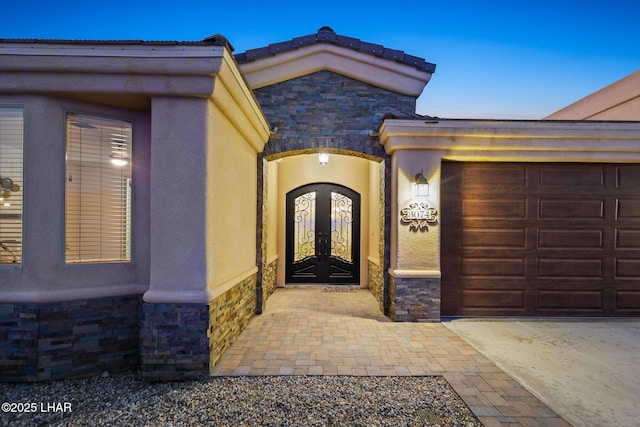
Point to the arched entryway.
(285, 172)
(322, 234)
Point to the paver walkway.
(317, 331)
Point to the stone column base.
(414, 299)
(185, 341)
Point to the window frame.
(129, 208)
(20, 264)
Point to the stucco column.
(178, 201)
(176, 316)
(415, 247)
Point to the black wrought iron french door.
(323, 234)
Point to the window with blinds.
(11, 190)
(98, 190)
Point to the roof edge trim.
(380, 72)
(112, 50)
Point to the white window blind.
(11, 189)
(98, 190)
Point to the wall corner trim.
(415, 274)
(225, 286)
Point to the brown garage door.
(540, 239)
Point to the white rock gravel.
(125, 399)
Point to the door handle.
(323, 245)
(320, 246)
(327, 246)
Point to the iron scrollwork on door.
(323, 234)
(341, 226)
(304, 228)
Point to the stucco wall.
(376, 199)
(179, 200)
(272, 211)
(416, 250)
(231, 201)
(203, 198)
(44, 277)
(618, 101)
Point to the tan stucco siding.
(618, 101)
(231, 202)
(272, 209)
(375, 200)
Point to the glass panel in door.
(323, 234)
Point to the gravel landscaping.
(128, 400)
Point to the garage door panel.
(578, 177)
(540, 239)
(571, 209)
(493, 299)
(627, 268)
(570, 268)
(628, 208)
(627, 178)
(627, 238)
(570, 299)
(561, 238)
(480, 238)
(493, 267)
(627, 299)
(491, 176)
(491, 209)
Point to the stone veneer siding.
(414, 299)
(269, 278)
(52, 341)
(376, 283)
(376, 274)
(230, 314)
(328, 111)
(183, 341)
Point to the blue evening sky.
(495, 59)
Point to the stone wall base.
(52, 341)
(414, 299)
(269, 278)
(185, 341)
(376, 283)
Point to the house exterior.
(618, 101)
(155, 194)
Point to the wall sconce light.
(323, 158)
(421, 185)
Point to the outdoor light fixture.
(323, 158)
(421, 185)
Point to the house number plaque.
(418, 216)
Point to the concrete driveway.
(588, 371)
